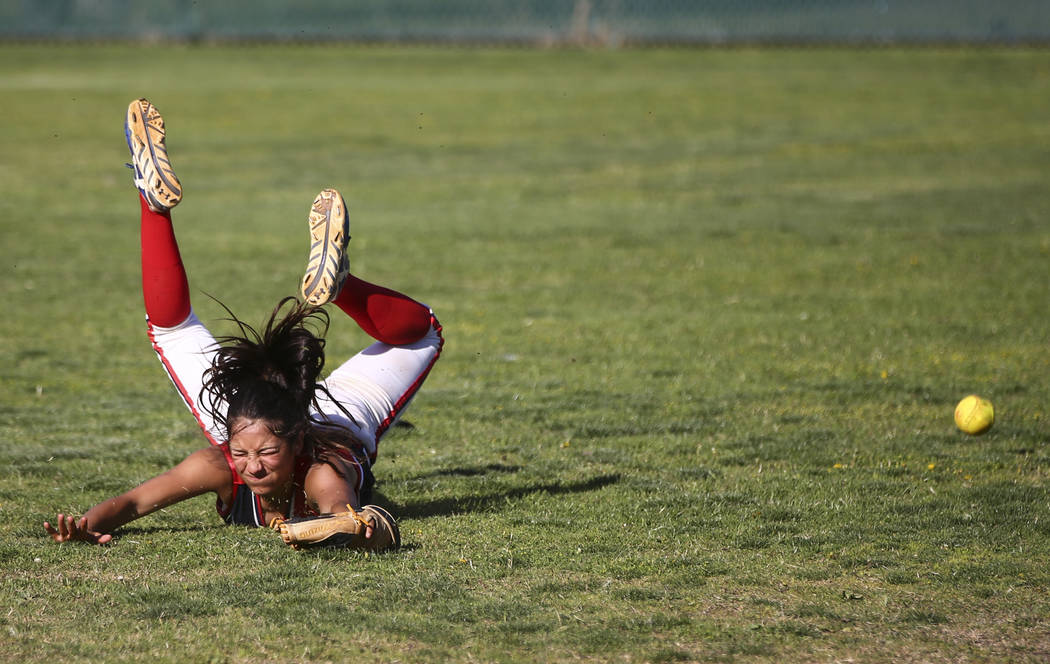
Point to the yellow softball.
(974, 415)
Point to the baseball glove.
(344, 530)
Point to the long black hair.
(274, 376)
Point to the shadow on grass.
(470, 471)
(131, 531)
(493, 501)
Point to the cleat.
(329, 234)
(154, 177)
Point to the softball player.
(283, 443)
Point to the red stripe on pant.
(190, 403)
(399, 405)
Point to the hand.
(69, 529)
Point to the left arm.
(331, 490)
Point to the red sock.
(386, 315)
(164, 284)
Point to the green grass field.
(708, 313)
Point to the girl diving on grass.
(286, 448)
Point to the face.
(264, 461)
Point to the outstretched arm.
(203, 471)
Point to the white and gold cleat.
(154, 177)
(329, 234)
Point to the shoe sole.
(144, 130)
(329, 233)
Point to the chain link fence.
(536, 22)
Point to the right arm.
(202, 471)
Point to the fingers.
(65, 523)
(69, 529)
(61, 534)
(80, 531)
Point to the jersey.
(245, 508)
